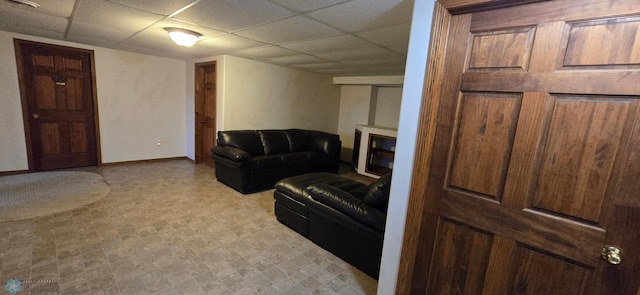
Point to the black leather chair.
(343, 216)
(254, 160)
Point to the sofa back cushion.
(274, 142)
(378, 194)
(246, 140)
(298, 139)
(327, 143)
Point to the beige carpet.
(45, 193)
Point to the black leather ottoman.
(289, 197)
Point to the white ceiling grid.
(338, 37)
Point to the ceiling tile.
(62, 8)
(388, 62)
(389, 36)
(97, 41)
(20, 19)
(349, 71)
(164, 7)
(120, 17)
(307, 5)
(228, 43)
(32, 31)
(361, 15)
(340, 37)
(288, 30)
(264, 52)
(359, 54)
(296, 59)
(230, 15)
(402, 49)
(317, 66)
(335, 43)
(106, 33)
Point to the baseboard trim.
(7, 173)
(146, 161)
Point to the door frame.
(17, 44)
(199, 97)
(421, 222)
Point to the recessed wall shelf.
(374, 150)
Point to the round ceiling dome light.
(183, 37)
(25, 2)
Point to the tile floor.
(170, 228)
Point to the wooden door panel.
(617, 42)
(71, 63)
(78, 135)
(463, 256)
(534, 271)
(42, 60)
(501, 50)
(583, 141)
(45, 92)
(50, 133)
(74, 93)
(483, 143)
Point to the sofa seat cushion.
(294, 187)
(296, 159)
(262, 163)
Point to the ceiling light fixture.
(183, 37)
(25, 2)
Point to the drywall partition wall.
(264, 96)
(141, 102)
(141, 98)
(13, 149)
(405, 145)
(355, 105)
(388, 107)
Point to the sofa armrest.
(231, 153)
(347, 204)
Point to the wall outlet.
(159, 142)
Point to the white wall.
(260, 96)
(355, 102)
(405, 148)
(13, 149)
(140, 98)
(367, 105)
(256, 95)
(388, 107)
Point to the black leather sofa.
(343, 216)
(254, 160)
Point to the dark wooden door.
(536, 155)
(57, 84)
(205, 112)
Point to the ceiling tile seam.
(345, 32)
(184, 8)
(76, 4)
(310, 11)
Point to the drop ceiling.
(336, 37)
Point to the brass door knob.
(611, 254)
(35, 116)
